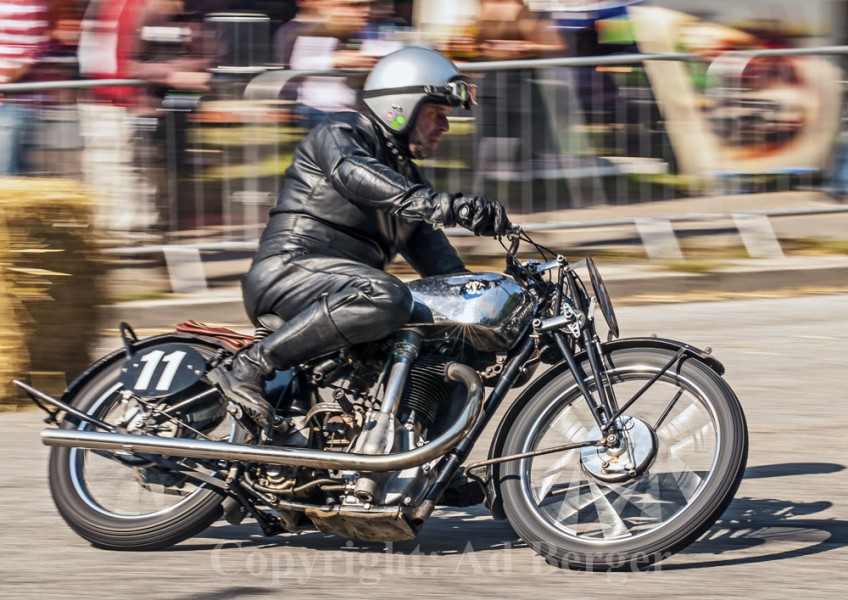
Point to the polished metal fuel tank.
(490, 310)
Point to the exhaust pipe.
(344, 461)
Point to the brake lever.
(514, 237)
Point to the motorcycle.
(622, 452)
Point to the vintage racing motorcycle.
(619, 454)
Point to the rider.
(352, 200)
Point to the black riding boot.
(243, 383)
(308, 335)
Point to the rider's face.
(430, 125)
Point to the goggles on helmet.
(457, 92)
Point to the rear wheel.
(121, 501)
(679, 460)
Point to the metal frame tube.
(39, 395)
(456, 372)
(458, 455)
(405, 352)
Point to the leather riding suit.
(351, 201)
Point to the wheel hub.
(635, 449)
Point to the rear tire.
(145, 507)
(576, 515)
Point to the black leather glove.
(481, 215)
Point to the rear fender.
(493, 499)
(120, 355)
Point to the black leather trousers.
(327, 303)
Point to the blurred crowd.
(176, 47)
(170, 44)
(180, 48)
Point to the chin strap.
(400, 156)
(399, 148)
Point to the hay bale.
(51, 284)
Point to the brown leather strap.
(234, 339)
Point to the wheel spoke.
(123, 490)
(668, 408)
(686, 480)
(691, 446)
(570, 426)
(612, 527)
(686, 452)
(566, 428)
(676, 428)
(642, 498)
(554, 472)
(571, 503)
(635, 506)
(177, 422)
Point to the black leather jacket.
(352, 192)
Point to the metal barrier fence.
(549, 135)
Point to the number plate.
(162, 370)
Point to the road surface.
(784, 536)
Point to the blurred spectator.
(65, 20)
(597, 91)
(835, 182)
(24, 37)
(511, 104)
(278, 11)
(124, 142)
(508, 30)
(306, 21)
(326, 35)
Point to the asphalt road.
(784, 536)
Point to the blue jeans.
(309, 116)
(16, 131)
(838, 184)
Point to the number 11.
(151, 362)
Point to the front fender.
(495, 450)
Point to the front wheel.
(122, 501)
(680, 457)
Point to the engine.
(426, 391)
(340, 398)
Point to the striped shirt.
(24, 36)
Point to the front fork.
(604, 409)
(605, 406)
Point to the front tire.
(687, 441)
(121, 502)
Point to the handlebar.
(530, 269)
(514, 237)
(526, 273)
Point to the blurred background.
(143, 141)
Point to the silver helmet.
(402, 81)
